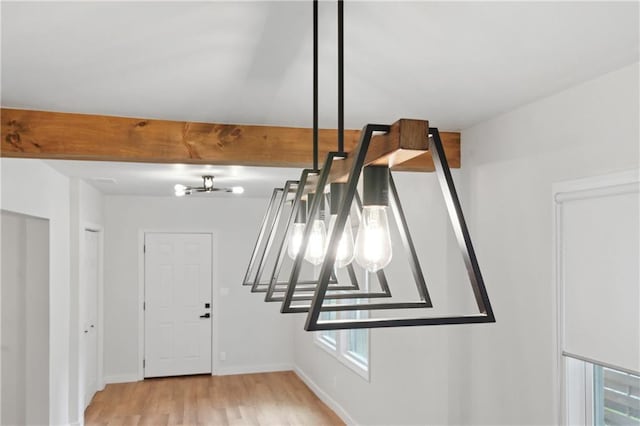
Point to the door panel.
(177, 287)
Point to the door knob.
(207, 315)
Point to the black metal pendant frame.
(306, 289)
(344, 209)
(248, 280)
(460, 229)
(278, 200)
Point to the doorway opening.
(25, 319)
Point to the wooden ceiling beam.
(55, 135)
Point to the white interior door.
(89, 314)
(177, 304)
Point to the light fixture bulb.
(208, 182)
(237, 190)
(180, 190)
(373, 243)
(295, 240)
(345, 251)
(317, 244)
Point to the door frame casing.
(99, 229)
(214, 295)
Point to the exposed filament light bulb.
(180, 190)
(317, 244)
(208, 183)
(373, 243)
(297, 232)
(345, 251)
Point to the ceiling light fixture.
(313, 232)
(372, 159)
(298, 199)
(359, 166)
(207, 186)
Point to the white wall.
(502, 373)
(86, 211)
(32, 188)
(13, 319)
(509, 164)
(254, 335)
(25, 319)
(408, 366)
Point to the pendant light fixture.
(373, 249)
(335, 161)
(261, 248)
(304, 289)
(290, 242)
(379, 149)
(456, 217)
(313, 252)
(256, 274)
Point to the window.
(601, 396)
(596, 274)
(351, 347)
(616, 397)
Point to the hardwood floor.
(248, 399)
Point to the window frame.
(560, 369)
(340, 352)
(340, 348)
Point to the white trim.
(121, 378)
(325, 397)
(100, 382)
(140, 375)
(252, 369)
(215, 305)
(89, 226)
(596, 182)
(590, 187)
(339, 350)
(343, 355)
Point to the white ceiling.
(159, 179)
(453, 63)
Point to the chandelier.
(323, 249)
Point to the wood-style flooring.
(247, 399)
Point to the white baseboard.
(225, 371)
(250, 369)
(325, 397)
(121, 378)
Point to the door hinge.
(144, 363)
(144, 306)
(144, 248)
